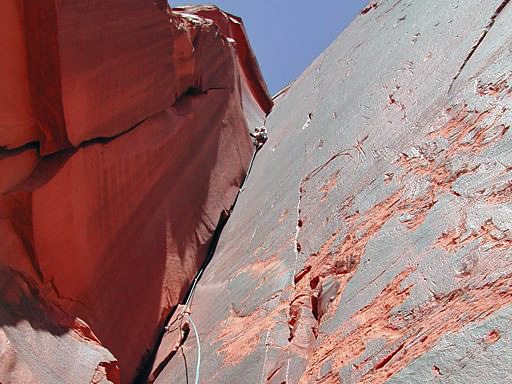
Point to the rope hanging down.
(260, 137)
(198, 343)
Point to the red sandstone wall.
(17, 124)
(112, 178)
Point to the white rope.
(187, 305)
(198, 349)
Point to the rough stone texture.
(372, 240)
(28, 347)
(17, 124)
(72, 65)
(108, 206)
(232, 27)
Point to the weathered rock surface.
(372, 240)
(17, 124)
(126, 139)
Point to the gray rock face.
(372, 239)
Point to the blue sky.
(287, 35)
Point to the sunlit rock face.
(371, 242)
(124, 135)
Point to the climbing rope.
(261, 138)
(198, 343)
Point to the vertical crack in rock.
(298, 226)
(300, 222)
(384, 268)
(184, 330)
(315, 282)
(319, 285)
(133, 172)
(483, 35)
(147, 365)
(411, 249)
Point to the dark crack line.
(190, 92)
(8, 152)
(165, 361)
(147, 364)
(185, 364)
(485, 31)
